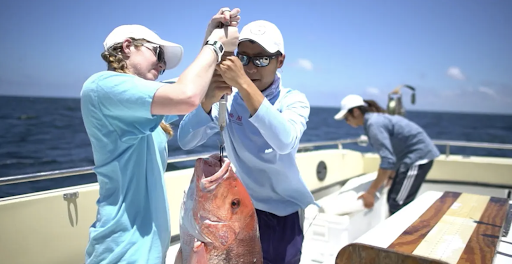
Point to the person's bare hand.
(225, 17)
(233, 72)
(217, 88)
(368, 200)
(228, 35)
(198, 254)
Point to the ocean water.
(47, 134)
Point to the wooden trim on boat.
(456, 228)
(357, 253)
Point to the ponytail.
(370, 107)
(167, 129)
(373, 107)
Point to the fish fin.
(198, 254)
(179, 257)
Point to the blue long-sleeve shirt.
(398, 141)
(262, 147)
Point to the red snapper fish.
(218, 221)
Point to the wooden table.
(438, 227)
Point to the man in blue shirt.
(265, 122)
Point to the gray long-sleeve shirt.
(398, 141)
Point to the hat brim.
(265, 44)
(173, 53)
(340, 115)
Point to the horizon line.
(312, 106)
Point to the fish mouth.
(214, 169)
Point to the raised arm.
(197, 126)
(187, 93)
(201, 123)
(283, 130)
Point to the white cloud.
(455, 73)
(449, 93)
(488, 91)
(372, 91)
(305, 64)
(463, 93)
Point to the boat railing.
(362, 141)
(448, 144)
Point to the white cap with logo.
(173, 52)
(264, 33)
(349, 102)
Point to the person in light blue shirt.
(126, 114)
(404, 148)
(265, 122)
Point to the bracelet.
(218, 48)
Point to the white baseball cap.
(349, 102)
(264, 33)
(173, 52)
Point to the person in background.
(126, 113)
(265, 123)
(404, 148)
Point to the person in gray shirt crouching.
(404, 148)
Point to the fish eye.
(235, 203)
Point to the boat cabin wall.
(52, 227)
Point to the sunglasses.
(258, 61)
(159, 53)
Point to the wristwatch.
(217, 47)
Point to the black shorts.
(406, 184)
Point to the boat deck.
(449, 227)
(326, 234)
(65, 214)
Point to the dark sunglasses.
(258, 61)
(159, 53)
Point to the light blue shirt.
(130, 157)
(262, 147)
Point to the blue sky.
(456, 53)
